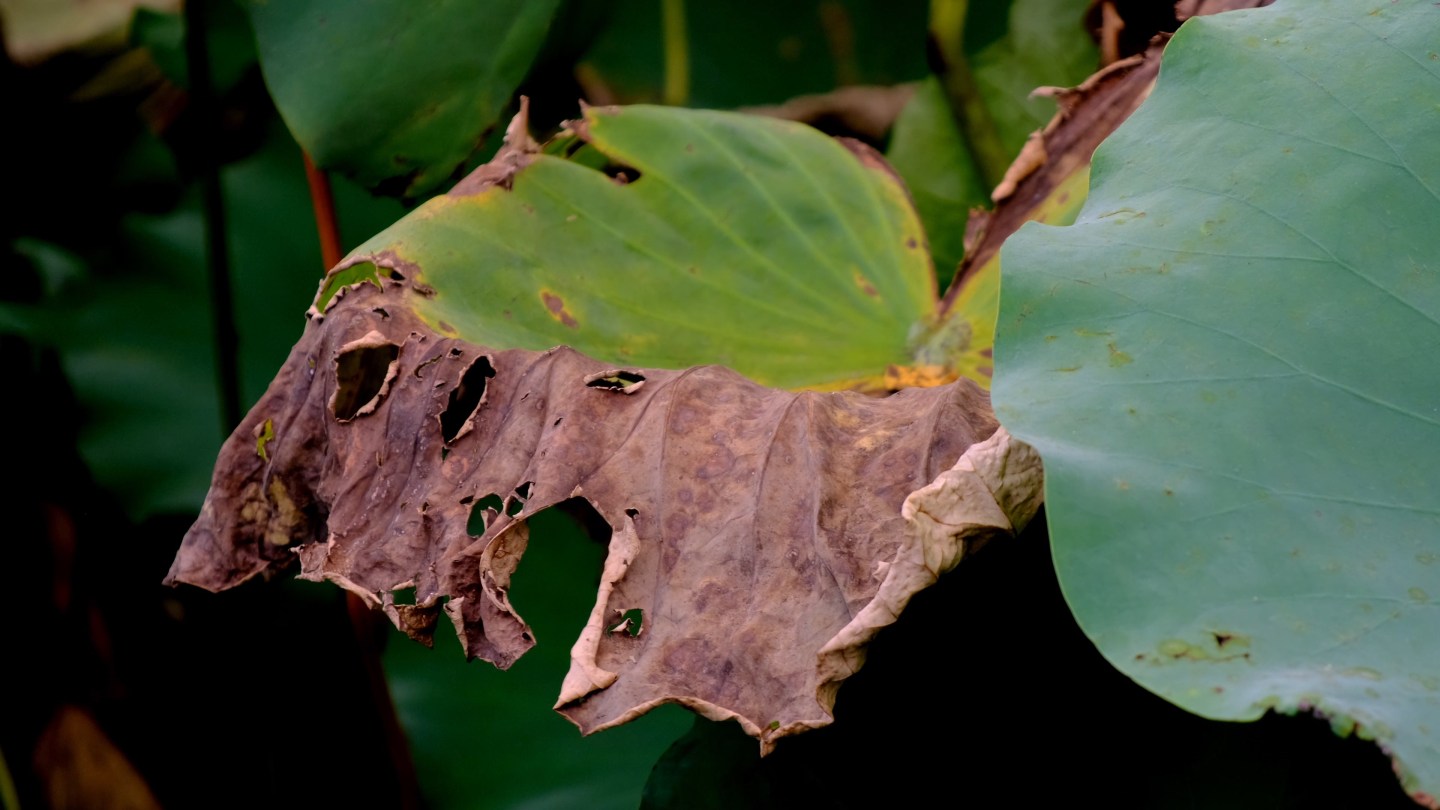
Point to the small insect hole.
(624, 381)
(482, 513)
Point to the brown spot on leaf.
(555, 305)
(865, 286)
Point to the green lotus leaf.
(396, 94)
(710, 237)
(929, 151)
(1018, 46)
(1231, 365)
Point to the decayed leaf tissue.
(760, 537)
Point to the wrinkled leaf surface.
(759, 539)
(1229, 365)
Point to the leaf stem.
(327, 227)
(947, 30)
(676, 92)
(217, 251)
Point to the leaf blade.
(753, 243)
(1222, 377)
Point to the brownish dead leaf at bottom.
(763, 536)
(80, 768)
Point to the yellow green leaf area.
(706, 237)
(962, 342)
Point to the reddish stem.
(326, 225)
(362, 619)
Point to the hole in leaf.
(631, 622)
(583, 514)
(404, 596)
(516, 503)
(622, 176)
(585, 154)
(625, 381)
(481, 513)
(632, 513)
(465, 398)
(355, 274)
(360, 374)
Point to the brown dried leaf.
(759, 533)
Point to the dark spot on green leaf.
(555, 305)
(1119, 358)
(1225, 639)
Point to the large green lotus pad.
(1231, 365)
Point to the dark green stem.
(217, 249)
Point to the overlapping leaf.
(1232, 373)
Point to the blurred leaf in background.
(727, 55)
(394, 94)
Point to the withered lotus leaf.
(760, 537)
